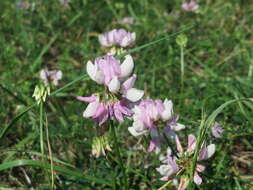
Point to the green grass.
(218, 63)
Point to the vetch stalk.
(116, 144)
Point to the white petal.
(114, 85)
(210, 150)
(134, 94)
(167, 113)
(91, 69)
(91, 109)
(178, 127)
(127, 66)
(134, 132)
(102, 40)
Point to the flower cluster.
(117, 37)
(119, 91)
(179, 163)
(153, 116)
(191, 6)
(54, 75)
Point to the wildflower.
(117, 37)
(149, 116)
(25, 5)
(169, 166)
(103, 111)
(54, 75)
(217, 130)
(191, 6)
(40, 93)
(109, 72)
(185, 158)
(119, 93)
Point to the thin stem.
(182, 66)
(50, 155)
(41, 129)
(117, 146)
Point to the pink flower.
(113, 74)
(103, 111)
(190, 6)
(149, 116)
(205, 153)
(149, 112)
(54, 75)
(217, 130)
(117, 37)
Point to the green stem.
(41, 129)
(182, 66)
(116, 144)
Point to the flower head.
(191, 6)
(103, 111)
(185, 158)
(114, 75)
(54, 75)
(217, 130)
(150, 116)
(117, 37)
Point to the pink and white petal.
(197, 179)
(179, 146)
(114, 85)
(129, 83)
(127, 66)
(164, 178)
(89, 99)
(91, 109)
(134, 94)
(200, 168)
(191, 143)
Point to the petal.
(210, 150)
(178, 144)
(200, 168)
(168, 111)
(191, 143)
(177, 127)
(91, 69)
(94, 73)
(89, 99)
(129, 83)
(114, 85)
(134, 132)
(91, 109)
(102, 40)
(197, 179)
(134, 94)
(127, 66)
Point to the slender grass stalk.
(117, 146)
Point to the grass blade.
(73, 172)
